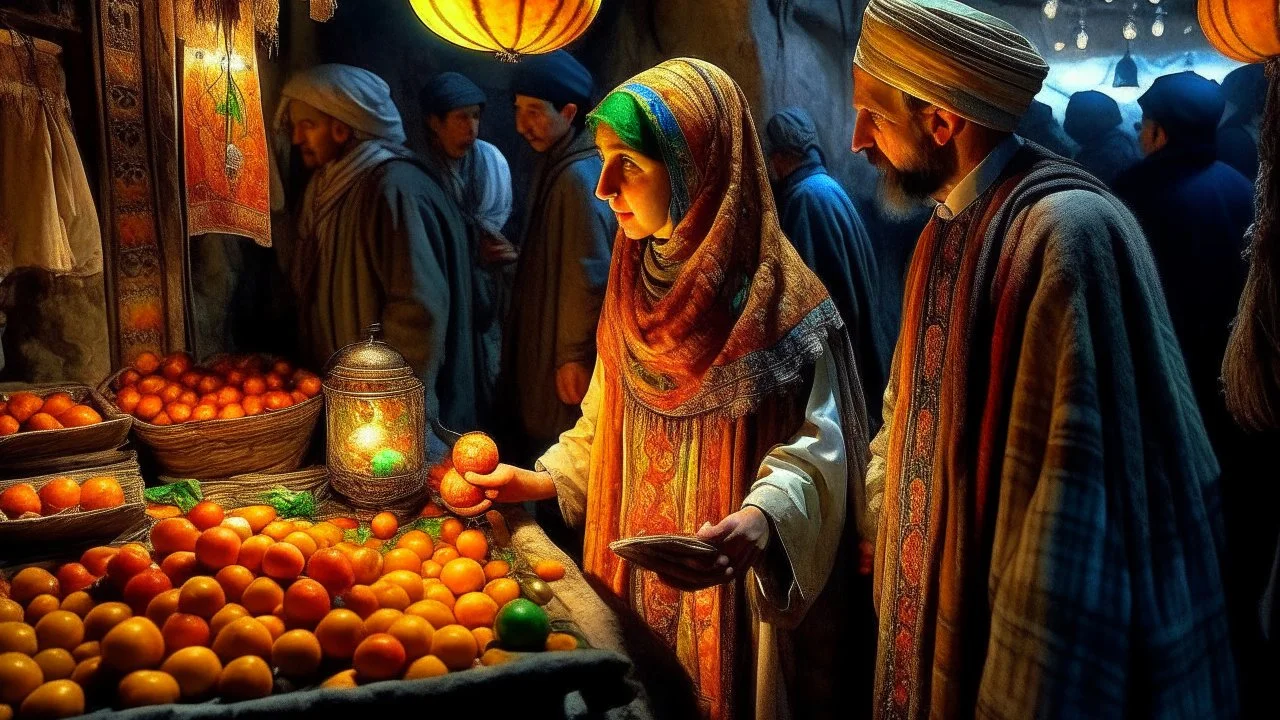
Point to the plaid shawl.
(1050, 533)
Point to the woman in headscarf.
(724, 405)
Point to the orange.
(180, 567)
(231, 411)
(262, 596)
(54, 699)
(549, 570)
(296, 654)
(401, 559)
(78, 602)
(360, 599)
(149, 405)
(484, 636)
(19, 499)
(390, 595)
(40, 606)
(95, 559)
(55, 663)
(196, 669)
(19, 675)
(283, 561)
(472, 544)
(381, 620)
(433, 611)
(60, 629)
(72, 577)
(146, 362)
(254, 385)
(445, 553)
(309, 385)
(378, 657)
(475, 609)
(89, 674)
(8, 426)
(22, 405)
(245, 678)
(144, 587)
(201, 595)
(30, 582)
(430, 569)
(125, 564)
(332, 569)
(178, 412)
(344, 523)
(495, 569)
(162, 606)
(86, 650)
(103, 618)
(59, 494)
(462, 575)
(259, 516)
(428, 666)
(366, 563)
(10, 611)
(100, 492)
(148, 687)
(344, 679)
(326, 533)
(79, 416)
(303, 542)
(57, 403)
(175, 365)
(42, 421)
(234, 579)
(457, 492)
(441, 594)
(455, 646)
(407, 580)
(252, 550)
(243, 636)
(206, 514)
(127, 399)
(414, 634)
(134, 644)
(217, 547)
(340, 632)
(160, 512)
(417, 541)
(238, 525)
(273, 624)
(151, 385)
(306, 602)
(502, 590)
(203, 412)
(223, 618)
(384, 525)
(475, 452)
(184, 630)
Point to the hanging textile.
(227, 173)
(47, 216)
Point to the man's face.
(893, 135)
(1151, 137)
(457, 130)
(540, 124)
(320, 138)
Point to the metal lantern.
(376, 416)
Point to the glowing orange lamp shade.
(509, 28)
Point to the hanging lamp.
(507, 28)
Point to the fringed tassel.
(1251, 368)
(322, 10)
(266, 21)
(218, 11)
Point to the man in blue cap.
(1194, 210)
(1245, 90)
(549, 347)
(1093, 121)
(477, 176)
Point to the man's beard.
(906, 189)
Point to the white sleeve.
(569, 461)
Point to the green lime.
(522, 625)
(386, 462)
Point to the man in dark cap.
(1093, 121)
(476, 175)
(1245, 90)
(1194, 210)
(819, 218)
(1039, 126)
(549, 347)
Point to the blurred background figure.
(1245, 90)
(1040, 127)
(1093, 122)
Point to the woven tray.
(267, 443)
(70, 526)
(32, 446)
(244, 489)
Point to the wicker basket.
(266, 443)
(33, 446)
(70, 526)
(244, 489)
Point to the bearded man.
(1048, 523)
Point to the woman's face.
(637, 187)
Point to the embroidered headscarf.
(743, 315)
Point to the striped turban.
(950, 55)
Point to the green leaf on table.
(290, 503)
(430, 526)
(359, 536)
(183, 493)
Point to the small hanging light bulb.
(1058, 46)
(1157, 25)
(1187, 30)
(1082, 37)
(1130, 30)
(1051, 9)
(1155, 2)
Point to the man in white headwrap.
(1048, 522)
(379, 240)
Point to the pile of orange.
(173, 390)
(22, 500)
(24, 411)
(224, 599)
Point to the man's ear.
(341, 131)
(943, 125)
(434, 124)
(569, 112)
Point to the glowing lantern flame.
(509, 28)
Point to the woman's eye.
(628, 165)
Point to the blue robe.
(819, 218)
